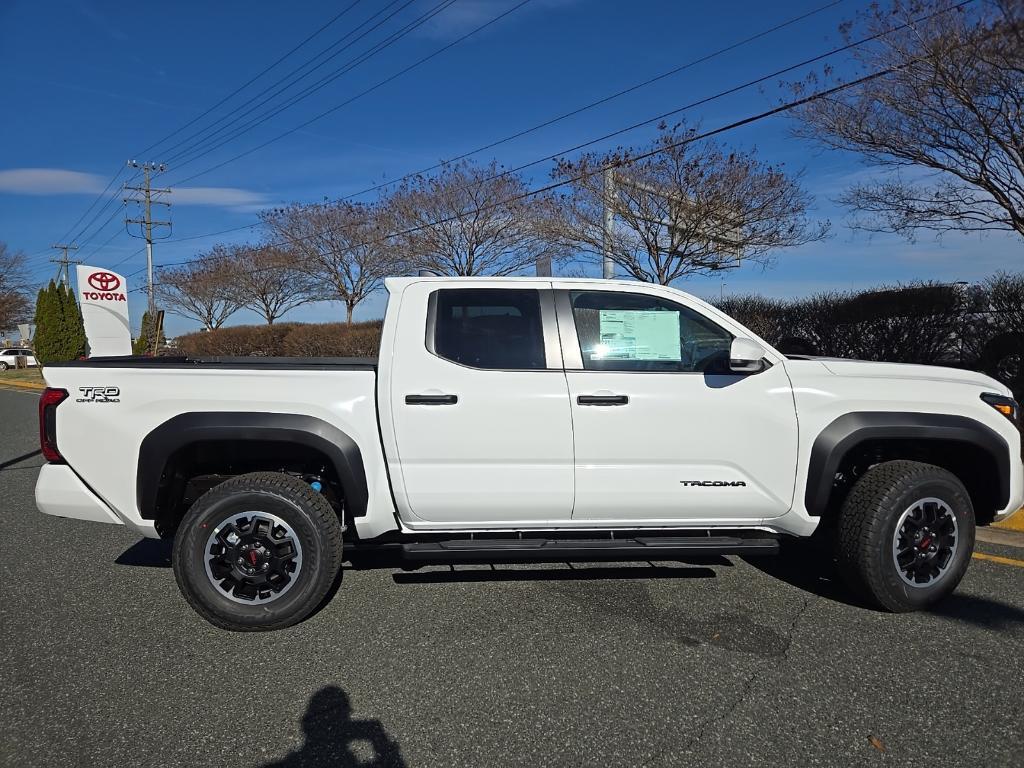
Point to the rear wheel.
(906, 534)
(3, 366)
(258, 552)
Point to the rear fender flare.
(189, 428)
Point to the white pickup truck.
(528, 419)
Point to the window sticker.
(638, 335)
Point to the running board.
(560, 550)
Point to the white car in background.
(9, 357)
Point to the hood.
(873, 370)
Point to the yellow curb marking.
(998, 559)
(1014, 522)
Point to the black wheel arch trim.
(852, 429)
(308, 431)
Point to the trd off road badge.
(99, 395)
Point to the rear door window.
(494, 328)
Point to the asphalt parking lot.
(724, 663)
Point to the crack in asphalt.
(745, 688)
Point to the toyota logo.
(104, 281)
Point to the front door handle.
(431, 399)
(603, 399)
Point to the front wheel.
(4, 366)
(906, 534)
(258, 552)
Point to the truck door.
(663, 430)
(480, 406)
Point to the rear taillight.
(48, 403)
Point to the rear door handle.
(431, 399)
(603, 399)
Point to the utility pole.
(146, 222)
(607, 265)
(730, 242)
(64, 262)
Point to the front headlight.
(1005, 405)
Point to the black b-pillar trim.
(851, 429)
(189, 428)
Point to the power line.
(250, 81)
(75, 239)
(598, 102)
(235, 116)
(628, 161)
(114, 178)
(551, 121)
(670, 113)
(409, 68)
(117, 233)
(128, 258)
(200, 151)
(113, 215)
(67, 236)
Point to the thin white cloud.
(49, 181)
(462, 17)
(223, 197)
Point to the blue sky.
(89, 84)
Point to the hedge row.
(284, 340)
(980, 327)
(919, 323)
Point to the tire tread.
(294, 490)
(866, 513)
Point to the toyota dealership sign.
(106, 287)
(103, 296)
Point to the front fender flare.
(852, 429)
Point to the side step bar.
(560, 550)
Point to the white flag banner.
(103, 296)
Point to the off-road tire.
(867, 526)
(314, 522)
(4, 366)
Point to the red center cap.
(925, 542)
(253, 556)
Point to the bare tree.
(683, 207)
(14, 304)
(342, 245)
(947, 122)
(204, 289)
(269, 281)
(472, 220)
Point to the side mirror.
(746, 356)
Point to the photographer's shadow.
(334, 739)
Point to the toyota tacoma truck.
(529, 419)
